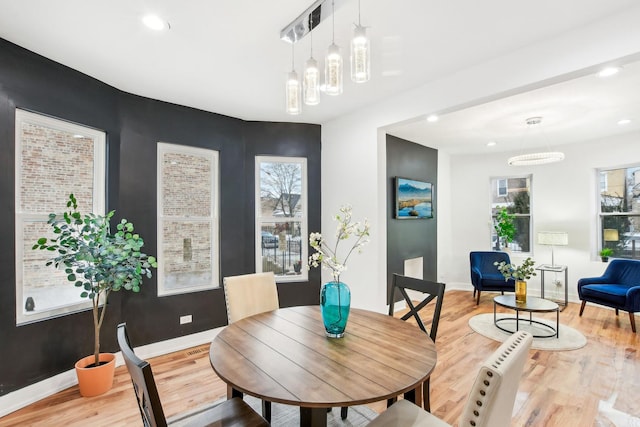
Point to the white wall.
(563, 198)
(353, 152)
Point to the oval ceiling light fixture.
(535, 158)
(154, 22)
(624, 122)
(433, 118)
(608, 71)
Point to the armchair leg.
(478, 300)
(582, 307)
(632, 318)
(474, 292)
(617, 312)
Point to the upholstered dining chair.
(485, 276)
(490, 401)
(250, 294)
(230, 413)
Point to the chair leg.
(478, 300)
(426, 398)
(391, 401)
(632, 318)
(343, 412)
(617, 312)
(582, 307)
(266, 410)
(474, 292)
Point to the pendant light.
(292, 90)
(311, 78)
(535, 158)
(333, 62)
(360, 53)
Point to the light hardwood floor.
(596, 385)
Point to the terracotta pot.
(94, 381)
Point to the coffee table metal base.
(506, 301)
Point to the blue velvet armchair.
(485, 276)
(618, 287)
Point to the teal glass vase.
(335, 301)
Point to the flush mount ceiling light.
(155, 23)
(535, 158)
(609, 71)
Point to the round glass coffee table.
(533, 305)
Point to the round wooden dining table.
(284, 356)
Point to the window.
(514, 194)
(188, 258)
(53, 159)
(502, 187)
(281, 217)
(619, 211)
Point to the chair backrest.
(143, 383)
(624, 271)
(434, 291)
(483, 260)
(490, 402)
(250, 294)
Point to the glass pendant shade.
(333, 71)
(360, 56)
(292, 91)
(311, 82)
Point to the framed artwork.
(413, 199)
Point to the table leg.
(313, 417)
(558, 324)
(517, 320)
(232, 392)
(542, 284)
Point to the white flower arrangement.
(328, 256)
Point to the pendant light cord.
(359, 14)
(333, 21)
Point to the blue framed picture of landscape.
(413, 199)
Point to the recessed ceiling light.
(491, 144)
(624, 122)
(432, 118)
(609, 71)
(156, 23)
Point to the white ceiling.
(225, 56)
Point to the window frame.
(21, 218)
(600, 215)
(496, 204)
(214, 218)
(303, 219)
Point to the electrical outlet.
(186, 319)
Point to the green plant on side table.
(605, 253)
(520, 274)
(99, 263)
(505, 228)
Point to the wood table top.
(284, 356)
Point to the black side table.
(555, 269)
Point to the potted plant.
(505, 228)
(98, 262)
(605, 253)
(520, 274)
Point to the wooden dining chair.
(230, 413)
(432, 291)
(250, 294)
(490, 401)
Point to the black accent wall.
(411, 238)
(134, 125)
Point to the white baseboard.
(25, 396)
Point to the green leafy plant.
(95, 260)
(606, 252)
(505, 226)
(522, 272)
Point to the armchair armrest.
(633, 299)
